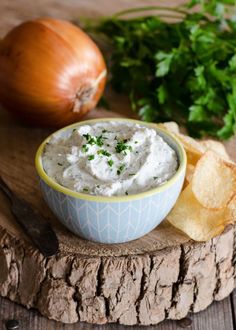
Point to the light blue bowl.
(114, 219)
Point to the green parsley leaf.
(163, 64)
(181, 70)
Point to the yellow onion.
(51, 72)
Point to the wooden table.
(220, 315)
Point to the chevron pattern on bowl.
(115, 222)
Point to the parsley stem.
(149, 8)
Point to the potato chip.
(189, 172)
(193, 148)
(232, 208)
(214, 181)
(199, 223)
(188, 175)
(216, 146)
(171, 126)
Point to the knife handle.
(34, 225)
(4, 187)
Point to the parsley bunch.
(183, 70)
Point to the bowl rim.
(98, 198)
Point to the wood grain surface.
(14, 143)
(217, 317)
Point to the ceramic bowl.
(113, 219)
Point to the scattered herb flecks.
(122, 146)
(85, 148)
(85, 189)
(92, 140)
(103, 152)
(105, 131)
(110, 162)
(59, 164)
(120, 169)
(91, 157)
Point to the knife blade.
(34, 225)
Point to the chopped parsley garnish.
(85, 148)
(91, 157)
(110, 162)
(120, 169)
(90, 139)
(136, 142)
(59, 164)
(103, 152)
(155, 177)
(122, 146)
(98, 186)
(85, 189)
(105, 131)
(74, 129)
(131, 174)
(98, 140)
(126, 193)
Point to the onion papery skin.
(51, 72)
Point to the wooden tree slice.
(162, 275)
(128, 289)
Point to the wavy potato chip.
(214, 181)
(189, 174)
(171, 126)
(207, 202)
(232, 208)
(193, 148)
(199, 223)
(216, 146)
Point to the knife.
(34, 225)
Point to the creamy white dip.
(110, 159)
